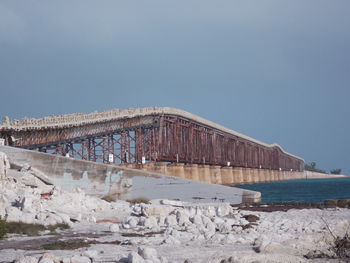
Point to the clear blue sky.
(278, 71)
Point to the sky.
(277, 71)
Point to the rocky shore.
(96, 230)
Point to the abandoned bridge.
(152, 137)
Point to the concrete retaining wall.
(126, 183)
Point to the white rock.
(66, 260)
(170, 240)
(223, 210)
(206, 220)
(218, 221)
(170, 220)
(157, 210)
(163, 259)
(14, 214)
(182, 218)
(161, 221)
(50, 256)
(172, 202)
(217, 238)
(147, 253)
(151, 222)
(114, 228)
(26, 259)
(134, 257)
(46, 260)
(224, 228)
(210, 212)
(132, 221)
(80, 259)
(93, 254)
(28, 218)
(197, 220)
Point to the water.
(311, 191)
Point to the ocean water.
(311, 191)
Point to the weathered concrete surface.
(125, 183)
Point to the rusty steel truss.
(157, 137)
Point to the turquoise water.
(311, 191)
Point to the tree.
(336, 171)
(312, 167)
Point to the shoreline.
(75, 227)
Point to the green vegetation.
(312, 167)
(139, 200)
(336, 171)
(32, 229)
(3, 227)
(61, 245)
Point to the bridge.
(142, 135)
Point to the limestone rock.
(223, 210)
(151, 222)
(134, 257)
(170, 220)
(224, 228)
(80, 259)
(26, 259)
(92, 254)
(157, 210)
(197, 220)
(114, 228)
(172, 202)
(148, 253)
(54, 258)
(132, 221)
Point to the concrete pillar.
(160, 167)
(268, 175)
(191, 172)
(227, 175)
(176, 169)
(149, 167)
(273, 175)
(246, 175)
(237, 175)
(256, 178)
(204, 173)
(261, 175)
(215, 174)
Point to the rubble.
(164, 230)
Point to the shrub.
(3, 227)
(139, 200)
(336, 171)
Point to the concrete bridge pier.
(227, 175)
(176, 169)
(215, 174)
(237, 175)
(192, 172)
(204, 173)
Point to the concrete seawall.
(125, 183)
(225, 175)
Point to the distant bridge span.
(145, 134)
